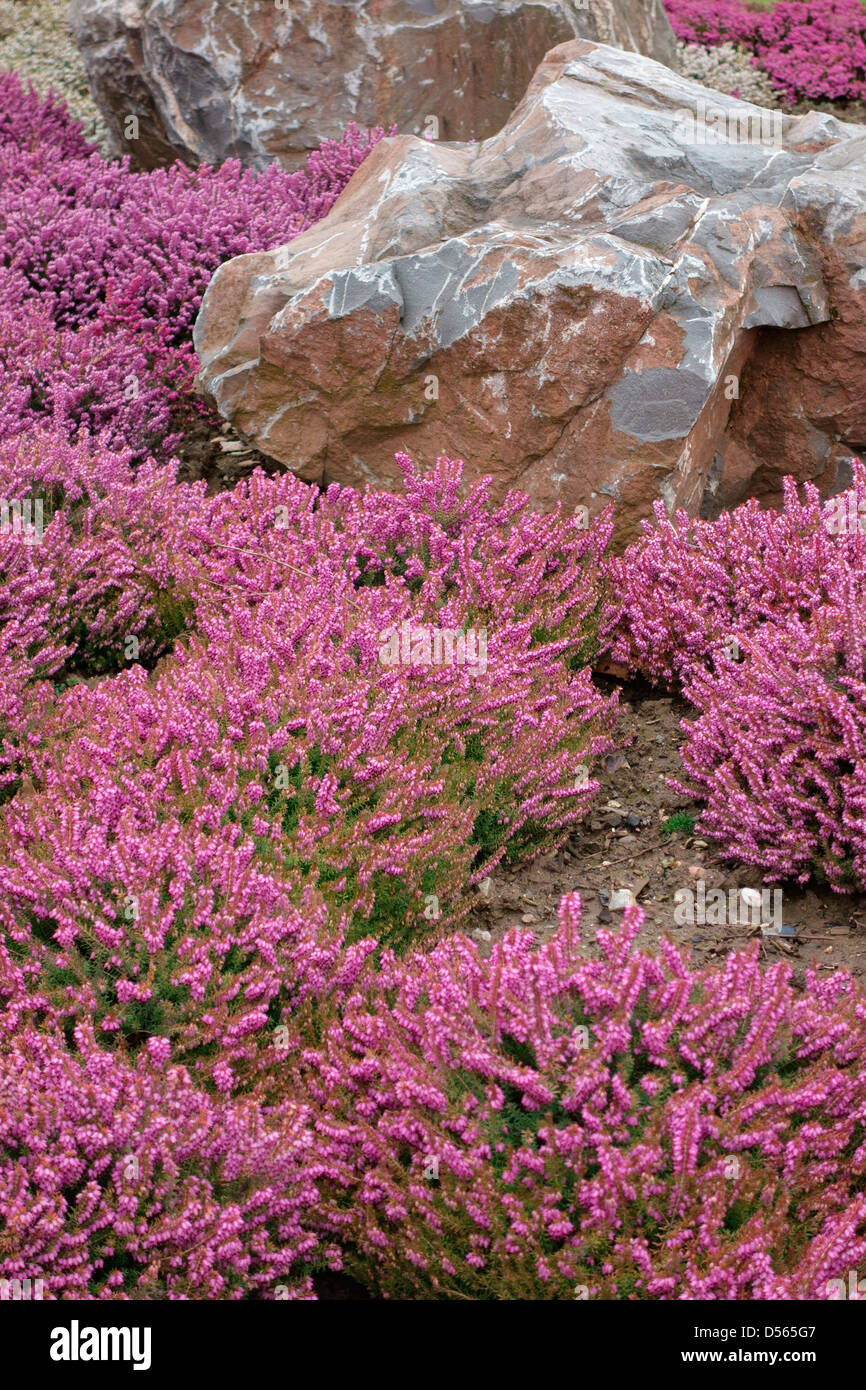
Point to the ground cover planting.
(278, 761)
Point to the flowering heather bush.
(688, 588)
(30, 122)
(712, 22)
(760, 614)
(812, 50)
(121, 1181)
(778, 753)
(158, 876)
(125, 389)
(78, 228)
(540, 1125)
(107, 268)
(99, 573)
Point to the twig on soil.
(635, 854)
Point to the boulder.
(605, 300)
(271, 79)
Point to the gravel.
(35, 40)
(728, 69)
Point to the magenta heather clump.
(106, 268)
(96, 571)
(712, 22)
(542, 1125)
(687, 590)
(812, 50)
(122, 1181)
(760, 616)
(778, 752)
(276, 783)
(31, 122)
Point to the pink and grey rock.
(584, 306)
(271, 79)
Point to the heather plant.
(29, 122)
(80, 230)
(122, 387)
(548, 1126)
(95, 588)
(759, 616)
(688, 591)
(777, 753)
(814, 50)
(122, 1181)
(157, 876)
(711, 24)
(102, 271)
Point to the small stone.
(622, 898)
(614, 761)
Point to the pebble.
(621, 898)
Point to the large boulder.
(271, 79)
(603, 300)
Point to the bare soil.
(621, 846)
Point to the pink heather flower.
(760, 615)
(694, 1201)
(102, 1163)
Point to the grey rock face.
(259, 80)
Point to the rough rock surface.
(590, 304)
(258, 80)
